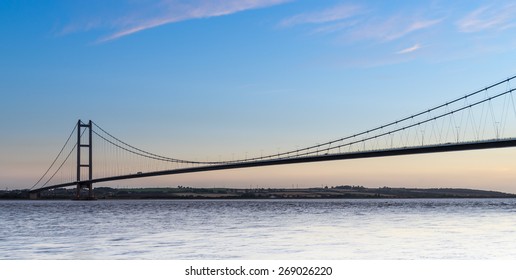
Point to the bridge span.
(483, 119)
(449, 147)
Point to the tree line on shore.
(185, 192)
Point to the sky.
(200, 79)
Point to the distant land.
(345, 191)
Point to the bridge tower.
(80, 165)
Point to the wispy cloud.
(410, 49)
(334, 27)
(163, 12)
(333, 14)
(356, 25)
(186, 10)
(488, 18)
(393, 28)
(80, 27)
(361, 23)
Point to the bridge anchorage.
(483, 119)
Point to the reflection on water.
(259, 229)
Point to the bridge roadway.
(425, 149)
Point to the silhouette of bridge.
(483, 119)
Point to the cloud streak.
(158, 13)
(410, 49)
(176, 11)
(360, 23)
(393, 28)
(488, 18)
(333, 14)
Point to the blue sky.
(202, 79)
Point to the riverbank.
(344, 191)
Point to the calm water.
(259, 229)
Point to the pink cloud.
(410, 49)
(393, 28)
(486, 18)
(175, 11)
(144, 15)
(332, 14)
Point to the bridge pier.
(80, 186)
(34, 195)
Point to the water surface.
(259, 229)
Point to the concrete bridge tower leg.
(80, 165)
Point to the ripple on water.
(259, 229)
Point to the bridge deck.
(448, 147)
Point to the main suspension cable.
(140, 151)
(64, 161)
(307, 150)
(55, 160)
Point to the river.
(364, 229)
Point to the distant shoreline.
(336, 192)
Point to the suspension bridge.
(483, 119)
